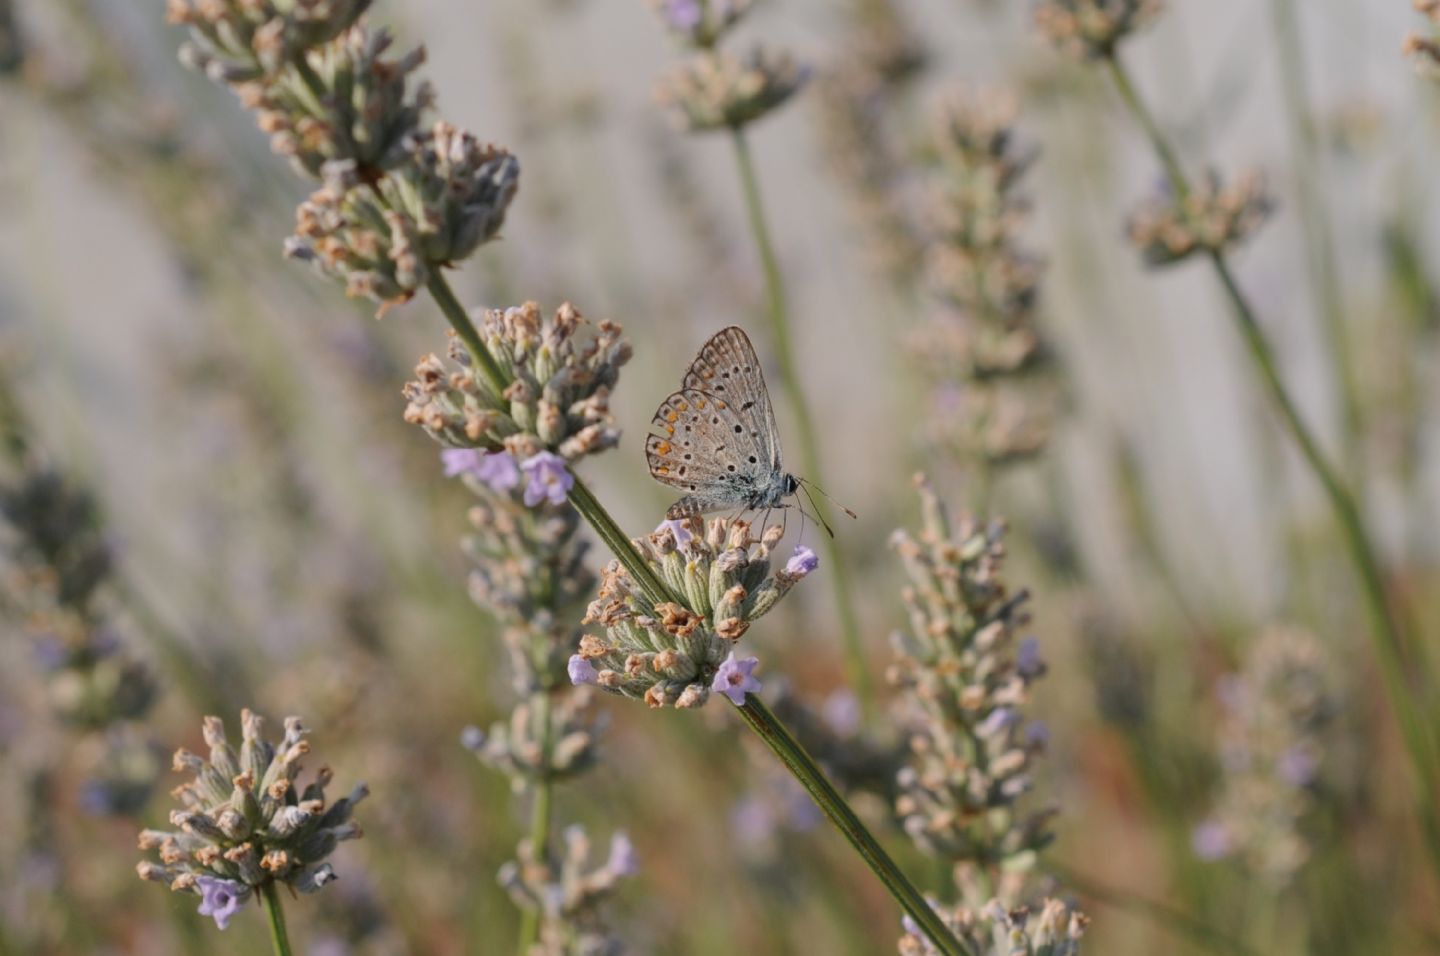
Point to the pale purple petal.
(802, 562)
(582, 671)
(497, 469)
(677, 528)
(1211, 840)
(623, 860)
(547, 479)
(220, 899)
(682, 15)
(735, 678)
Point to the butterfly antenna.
(821, 521)
(827, 497)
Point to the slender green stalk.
(460, 322)
(540, 816)
(759, 717)
(619, 544)
(275, 916)
(1398, 656)
(829, 800)
(1323, 270)
(856, 671)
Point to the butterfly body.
(717, 437)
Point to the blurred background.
(282, 540)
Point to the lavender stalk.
(1208, 221)
(714, 90)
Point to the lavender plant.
(965, 676)
(512, 403)
(1095, 30)
(1272, 746)
(59, 593)
(713, 90)
(530, 572)
(246, 825)
(981, 350)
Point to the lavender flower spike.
(582, 671)
(221, 899)
(802, 562)
(735, 678)
(547, 479)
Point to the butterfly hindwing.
(708, 449)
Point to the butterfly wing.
(728, 368)
(709, 449)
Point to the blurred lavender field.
(207, 445)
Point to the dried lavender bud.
(1424, 50)
(994, 930)
(1093, 28)
(1213, 217)
(362, 112)
(716, 90)
(978, 350)
(558, 400)
(1271, 744)
(671, 655)
(236, 41)
(246, 821)
(965, 679)
(700, 23)
(567, 893)
(447, 196)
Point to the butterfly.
(718, 440)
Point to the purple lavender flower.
(677, 528)
(496, 469)
(802, 562)
(581, 671)
(735, 678)
(1037, 734)
(999, 719)
(1210, 840)
(1297, 766)
(472, 738)
(220, 899)
(1028, 661)
(546, 479)
(682, 15)
(623, 861)
(841, 712)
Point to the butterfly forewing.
(728, 368)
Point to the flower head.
(736, 677)
(558, 400)
(221, 899)
(1092, 28)
(717, 90)
(700, 24)
(1214, 216)
(546, 479)
(247, 822)
(671, 654)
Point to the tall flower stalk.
(530, 574)
(965, 676)
(399, 204)
(1206, 221)
(715, 90)
(981, 351)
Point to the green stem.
(460, 322)
(856, 671)
(1321, 265)
(619, 543)
(540, 816)
(1395, 652)
(829, 800)
(279, 939)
